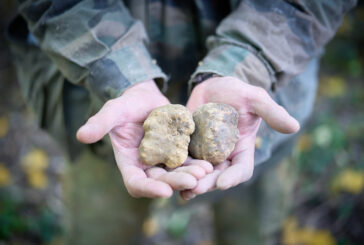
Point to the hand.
(252, 103)
(122, 118)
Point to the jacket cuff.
(110, 76)
(236, 61)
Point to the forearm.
(98, 45)
(270, 42)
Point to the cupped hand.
(252, 104)
(122, 118)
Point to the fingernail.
(298, 126)
(190, 196)
(209, 168)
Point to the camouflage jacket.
(105, 46)
(261, 42)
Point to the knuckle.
(109, 103)
(199, 190)
(261, 93)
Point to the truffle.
(167, 135)
(216, 132)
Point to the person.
(94, 68)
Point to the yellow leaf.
(304, 143)
(150, 227)
(4, 126)
(322, 237)
(294, 235)
(37, 179)
(310, 236)
(289, 235)
(332, 86)
(35, 160)
(348, 180)
(5, 177)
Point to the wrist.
(200, 78)
(148, 85)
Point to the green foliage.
(178, 223)
(18, 219)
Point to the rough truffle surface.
(216, 132)
(167, 135)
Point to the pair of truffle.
(171, 131)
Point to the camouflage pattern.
(71, 56)
(274, 39)
(102, 47)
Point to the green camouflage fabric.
(96, 49)
(71, 56)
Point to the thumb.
(196, 98)
(100, 124)
(273, 114)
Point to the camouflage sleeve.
(269, 42)
(93, 43)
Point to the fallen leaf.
(349, 180)
(150, 227)
(35, 160)
(5, 176)
(332, 86)
(37, 179)
(294, 235)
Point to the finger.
(195, 99)
(187, 195)
(195, 171)
(147, 187)
(202, 163)
(272, 113)
(208, 183)
(241, 169)
(177, 180)
(138, 185)
(155, 172)
(100, 124)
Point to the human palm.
(122, 118)
(252, 104)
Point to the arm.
(261, 43)
(97, 44)
(265, 42)
(93, 43)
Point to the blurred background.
(329, 194)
